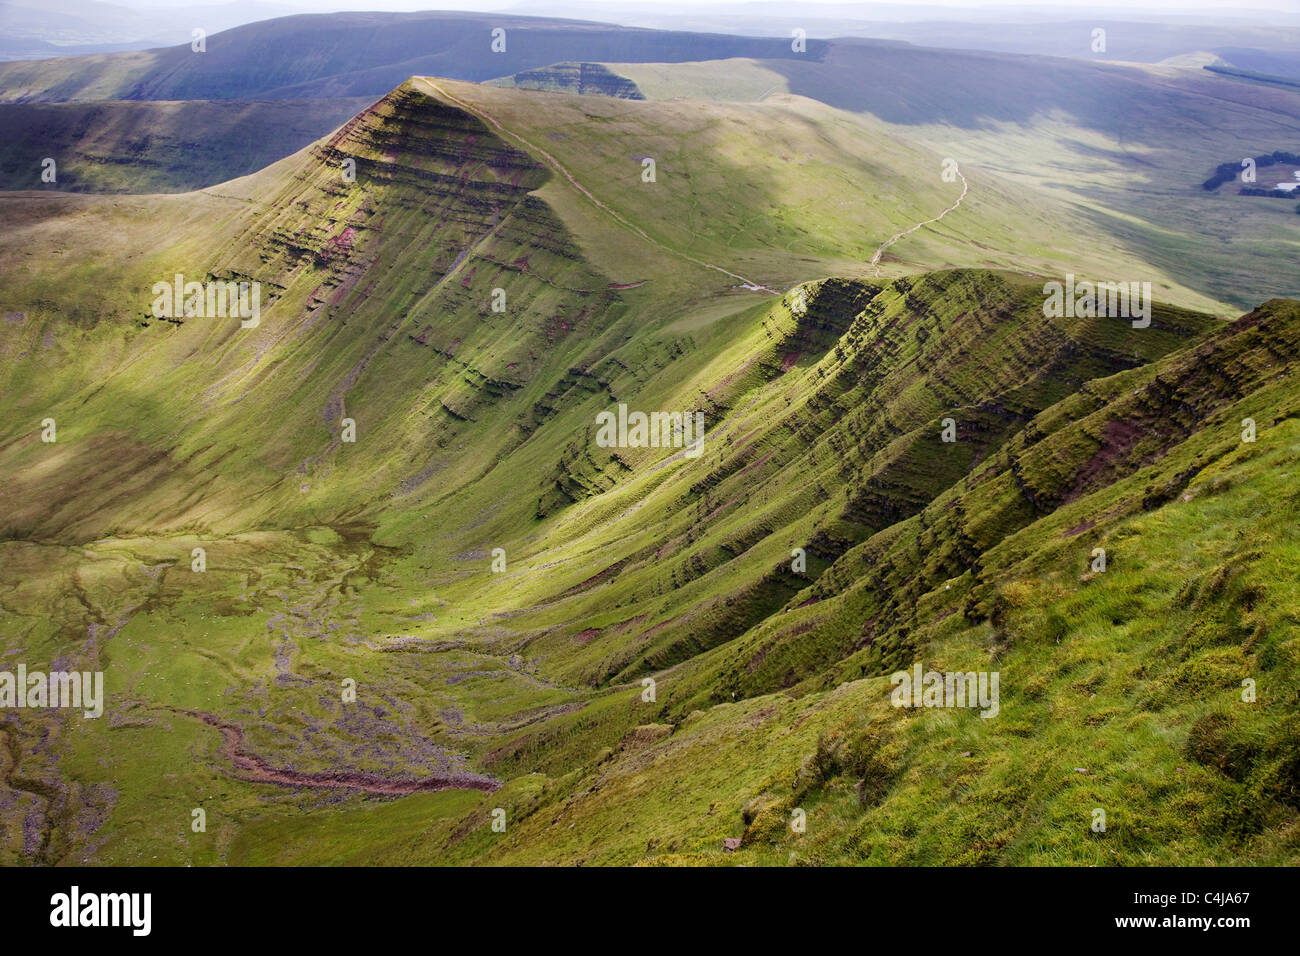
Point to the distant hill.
(361, 54)
(45, 28)
(1251, 75)
(1128, 145)
(129, 146)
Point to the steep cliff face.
(409, 280)
(857, 406)
(1110, 555)
(1057, 475)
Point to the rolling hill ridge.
(634, 652)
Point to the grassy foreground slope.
(521, 688)
(1122, 690)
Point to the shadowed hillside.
(590, 79)
(142, 147)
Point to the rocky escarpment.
(410, 281)
(850, 392)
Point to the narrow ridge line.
(560, 168)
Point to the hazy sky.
(863, 11)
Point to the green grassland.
(788, 189)
(1124, 147)
(330, 561)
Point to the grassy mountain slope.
(1119, 149)
(1127, 689)
(1128, 682)
(320, 244)
(392, 278)
(329, 560)
(783, 189)
(1125, 147)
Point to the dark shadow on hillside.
(973, 90)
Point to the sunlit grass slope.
(1123, 148)
(328, 561)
